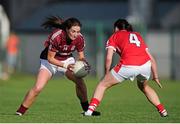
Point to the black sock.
(85, 105)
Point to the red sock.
(160, 107)
(93, 104)
(22, 109)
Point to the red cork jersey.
(130, 46)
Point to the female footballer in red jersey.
(135, 62)
(57, 57)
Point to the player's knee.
(144, 88)
(70, 76)
(103, 85)
(37, 90)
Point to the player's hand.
(157, 81)
(70, 67)
(88, 67)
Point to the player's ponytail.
(129, 27)
(122, 24)
(53, 22)
(57, 22)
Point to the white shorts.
(126, 72)
(44, 64)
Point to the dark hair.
(122, 24)
(52, 22)
(57, 22)
(72, 22)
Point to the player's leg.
(104, 84)
(152, 96)
(142, 82)
(43, 76)
(81, 91)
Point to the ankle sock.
(22, 109)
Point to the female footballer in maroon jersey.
(135, 62)
(57, 57)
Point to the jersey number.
(134, 39)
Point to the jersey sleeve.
(80, 43)
(53, 44)
(111, 43)
(54, 40)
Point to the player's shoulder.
(138, 34)
(57, 32)
(121, 32)
(135, 32)
(80, 37)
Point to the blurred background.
(22, 38)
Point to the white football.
(80, 69)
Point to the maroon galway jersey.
(58, 42)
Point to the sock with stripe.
(92, 106)
(160, 107)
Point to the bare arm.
(52, 60)
(109, 56)
(82, 58)
(153, 66)
(81, 55)
(154, 69)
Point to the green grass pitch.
(57, 103)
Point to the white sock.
(88, 112)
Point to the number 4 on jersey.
(134, 39)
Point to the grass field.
(58, 103)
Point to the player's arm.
(80, 49)
(51, 58)
(109, 55)
(154, 69)
(81, 56)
